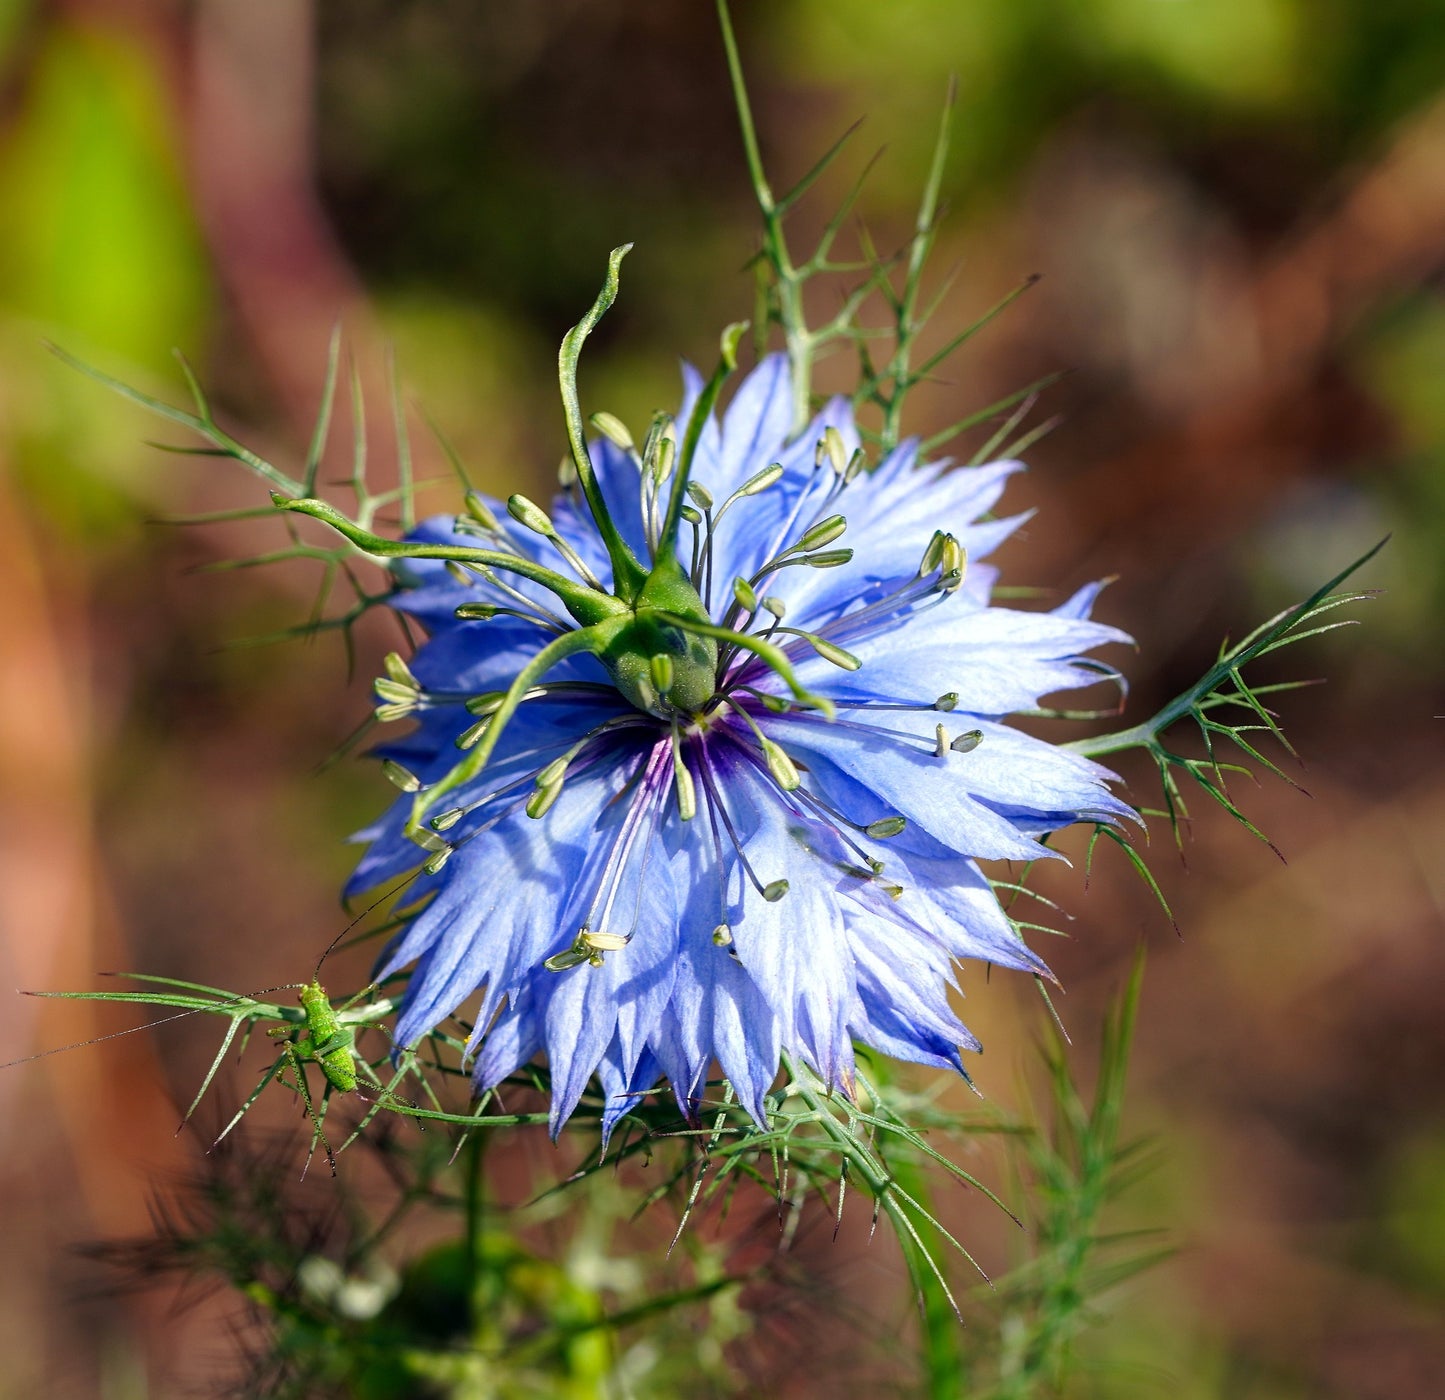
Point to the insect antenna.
(370, 909)
(131, 1030)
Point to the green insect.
(315, 1032)
(325, 1036)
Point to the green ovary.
(628, 656)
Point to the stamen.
(626, 837)
(946, 703)
(782, 769)
(844, 659)
(520, 598)
(532, 517)
(832, 450)
(682, 779)
(484, 612)
(886, 828)
(825, 532)
(828, 558)
(715, 804)
(403, 778)
(481, 512)
(753, 486)
(613, 429)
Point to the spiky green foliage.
(882, 308)
(1228, 709)
(819, 1142)
(1074, 1165)
(339, 561)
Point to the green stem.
(701, 412)
(585, 639)
(586, 604)
(798, 339)
(476, 1216)
(628, 575)
(918, 252)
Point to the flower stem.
(800, 341)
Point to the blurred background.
(1237, 208)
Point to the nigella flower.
(722, 797)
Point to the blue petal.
(623, 1089)
(795, 948)
(892, 515)
(500, 908)
(953, 901)
(509, 1044)
(587, 1008)
(717, 1010)
(902, 1004)
(997, 660)
(539, 731)
(904, 777)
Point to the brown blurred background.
(1238, 211)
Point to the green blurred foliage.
(1325, 75)
(1403, 362)
(101, 251)
(1414, 1214)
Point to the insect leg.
(318, 1133)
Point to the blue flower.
(742, 815)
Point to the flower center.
(657, 664)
